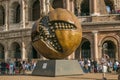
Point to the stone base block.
(57, 68)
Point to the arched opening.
(57, 4)
(85, 10)
(110, 6)
(2, 56)
(109, 48)
(15, 51)
(16, 12)
(2, 16)
(36, 10)
(85, 50)
(35, 55)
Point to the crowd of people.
(19, 66)
(89, 65)
(16, 66)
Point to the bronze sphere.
(57, 34)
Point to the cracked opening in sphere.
(47, 30)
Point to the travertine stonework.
(99, 27)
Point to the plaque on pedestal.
(57, 68)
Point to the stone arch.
(2, 53)
(85, 10)
(15, 51)
(84, 50)
(57, 4)
(109, 46)
(2, 15)
(15, 12)
(110, 6)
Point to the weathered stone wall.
(107, 27)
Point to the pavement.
(87, 76)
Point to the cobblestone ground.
(88, 76)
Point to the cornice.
(100, 23)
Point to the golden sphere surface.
(57, 34)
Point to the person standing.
(3, 67)
(104, 62)
(12, 67)
(7, 67)
(89, 65)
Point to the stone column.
(47, 6)
(6, 51)
(94, 9)
(44, 7)
(23, 13)
(7, 16)
(6, 55)
(27, 12)
(95, 44)
(23, 51)
(100, 50)
(92, 51)
(72, 6)
(68, 4)
(91, 6)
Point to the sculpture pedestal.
(57, 68)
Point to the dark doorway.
(109, 48)
(2, 16)
(2, 56)
(34, 53)
(85, 50)
(15, 51)
(36, 10)
(85, 10)
(17, 19)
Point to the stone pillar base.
(57, 68)
(95, 14)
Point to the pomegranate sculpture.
(57, 34)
